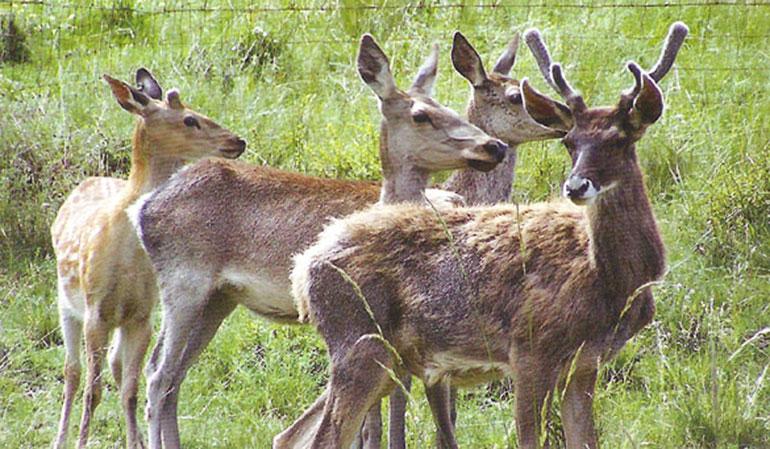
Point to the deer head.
(418, 130)
(601, 140)
(169, 129)
(497, 102)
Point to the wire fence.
(116, 18)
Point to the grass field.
(283, 77)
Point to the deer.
(496, 107)
(259, 216)
(544, 292)
(105, 281)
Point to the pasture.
(281, 74)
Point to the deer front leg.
(96, 336)
(217, 309)
(133, 342)
(397, 416)
(533, 386)
(439, 398)
(577, 410)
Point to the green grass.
(698, 377)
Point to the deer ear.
(374, 68)
(129, 98)
(425, 78)
(467, 61)
(148, 85)
(648, 105)
(546, 111)
(505, 63)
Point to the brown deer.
(545, 292)
(496, 107)
(221, 233)
(105, 281)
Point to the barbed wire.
(335, 8)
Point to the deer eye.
(191, 121)
(514, 98)
(421, 117)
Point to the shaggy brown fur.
(540, 291)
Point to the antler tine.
(674, 40)
(627, 98)
(540, 52)
(573, 99)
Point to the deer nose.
(496, 149)
(241, 144)
(576, 187)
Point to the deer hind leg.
(217, 309)
(72, 330)
(577, 410)
(299, 434)
(371, 431)
(131, 346)
(439, 398)
(533, 387)
(359, 379)
(397, 416)
(97, 337)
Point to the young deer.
(546, 292)
(496, 107)
(104, 278)
(205, 267)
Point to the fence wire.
(192, 15)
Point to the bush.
(13, 42)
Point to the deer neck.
(401, 182)
(484, 188)
(626, 247)
(148, 170)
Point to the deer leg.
(72, 330)
(217, 309)
(397, 416)
(133, 346)
(298, 435)
(453, 405)
(96, 336)
(358, 381)
(179, 321)
(577, 410)
(371, 431)
(533, 387)
(439, 399)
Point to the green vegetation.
(283, 77)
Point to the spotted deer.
(105, 281)
(221, 233)
(544, 292)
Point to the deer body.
(221, 233)
(105, 280)
(544, 292)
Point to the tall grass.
(286, 81)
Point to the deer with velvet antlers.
(544, 292)
(105, 280)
